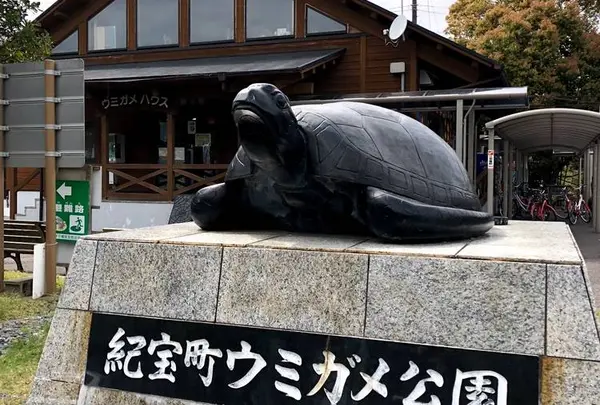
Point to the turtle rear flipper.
(393, 217)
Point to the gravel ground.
(18, 328)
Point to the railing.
(157, 182)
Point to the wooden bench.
(20, 237)
(23, 285)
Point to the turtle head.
(267, 126)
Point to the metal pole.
(579, 172)
(526, 168)
(2, 156)
(508, 192)
(460, 133)
(490, 173)
(50, 176)
(589, 160)
(471, 141)
(519, 167)
(505, 159)
(596, 181)
(414, 11)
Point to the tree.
(21, 40)
(551, 46)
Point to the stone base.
(521, 289)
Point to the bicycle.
(580, 209)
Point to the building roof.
(63, 7)
(217, 67)
(549, 128)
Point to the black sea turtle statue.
(343, 167)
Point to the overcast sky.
(431, 13)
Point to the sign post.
(2, 173)
(72, 209)
(43, 127)
(50, 174)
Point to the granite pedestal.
(521, 289)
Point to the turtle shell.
(374, 146)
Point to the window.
(211, 21)
(68, 45)
(157, 22)
(108, 29)
(319, 23)
(269, 18)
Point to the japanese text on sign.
(72, 209)
(135, 99)
(207, 368)
(479, 387)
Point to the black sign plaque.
(233, 365)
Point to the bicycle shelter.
(564, 129)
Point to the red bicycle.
(579, 209)
(541, 209)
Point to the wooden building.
(161, 75)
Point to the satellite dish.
(397, 28)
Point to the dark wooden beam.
(300, 27)
(363, 63)
(445, 62)
(82, 16)
(412, 82)
(184, 23)
(240, 21)
(223, 50)
(131, 25)
(83, 38)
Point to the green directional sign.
(72, 209)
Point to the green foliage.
(21, 40)
(551, 46)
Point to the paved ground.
(589, 244)
(27, 260)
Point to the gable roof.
(390, 16)
(61, 8)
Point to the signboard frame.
(42, 125)
(230, 364)
(72, 209)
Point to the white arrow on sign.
(64, 191)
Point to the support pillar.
(505, 175)
(510, 183)
(49, 178)
(596, 181)
(579, 171)
(526, 168)
(471, 147)
(589, 160)
(490, 173)
(460, 133)
(519, 166)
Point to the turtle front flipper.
(393, 217)
(212, 207)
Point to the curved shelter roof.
(549, 128)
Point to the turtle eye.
(281, 101)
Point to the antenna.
(396, 30)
